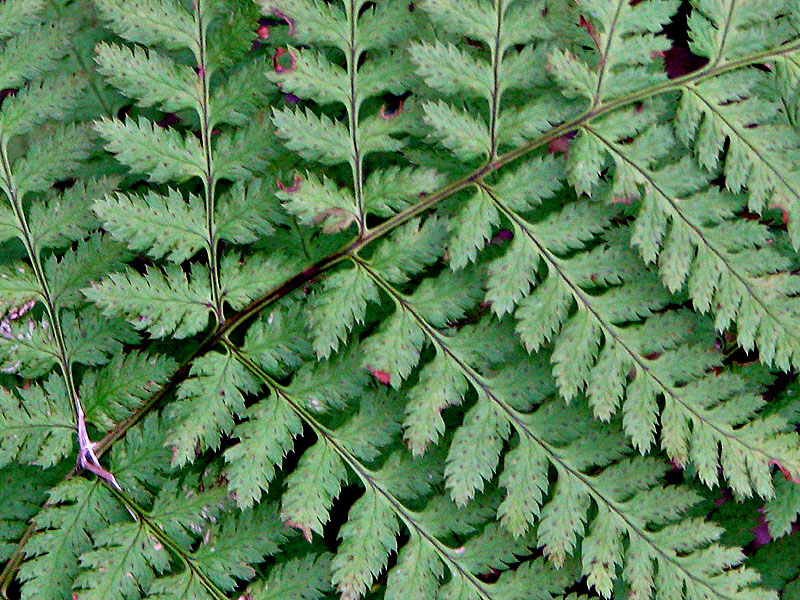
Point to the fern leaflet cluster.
(466, 300)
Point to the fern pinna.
(456, 299)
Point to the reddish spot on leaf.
(785, 471)
(590, 29)
(282, 16)
(306, 531)
(294, 187)
(382, 376)
(279, 68)
(629, 200)
(560, 144)
(17, 312)
(263, 32)
(391, 114)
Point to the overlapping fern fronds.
(456, 299)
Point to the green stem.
(209, 180)
(352, 114)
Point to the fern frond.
(342, 80)
(780, 572)
(152, 78)
(129, 556)
(160, 153)
(139, 221)
(38, 102)
(167, 155)
(761, 142)
(17, 15)
(73, 208)
(685, 224)
(342, 303)
(425, 354)
(31, 52)
(161, 22)
(76, 508)
(723, 31)
(626, 45)
(50, 155)
(114, 391)
(88, 261)
(316, 482)
(26, 489)
(493, 419)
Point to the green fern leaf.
(312, 488)
(342, 303)
(160, 153)
(151, 77)
(31, 52)
(139, 222)
(161, 22)
(37, 426)
(113, 392)
(217, 382)
(76, 508)
(162, 302)
(367, 539)
(306, 577)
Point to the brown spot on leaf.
(279, 68)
